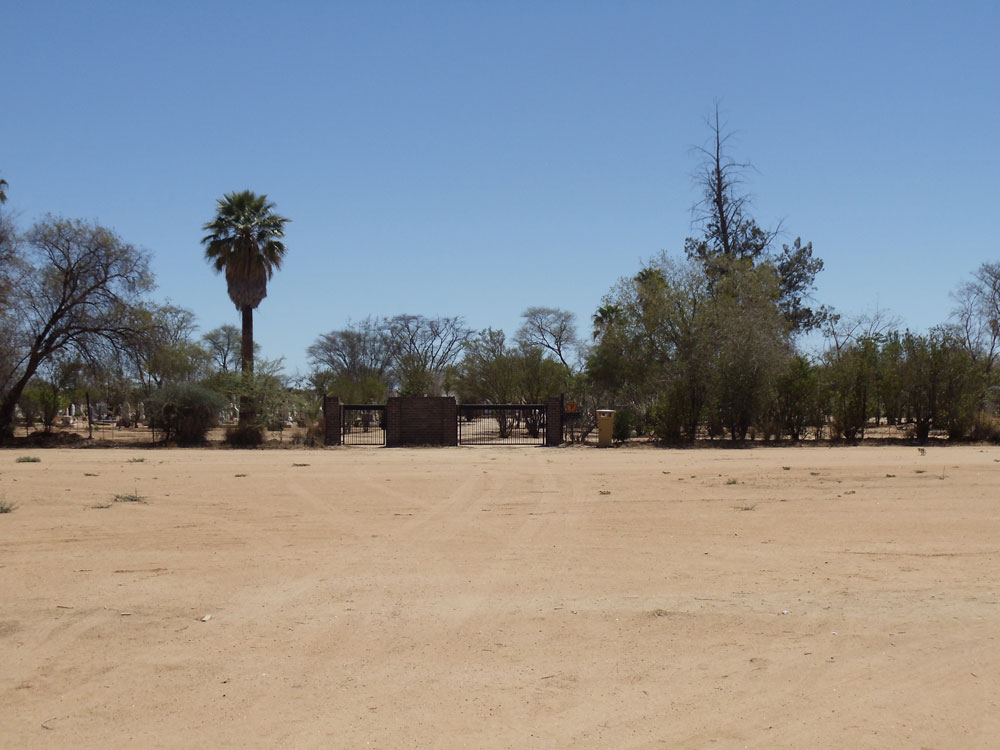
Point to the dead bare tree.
(976, 315)
(550, 329)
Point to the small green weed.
(89, 474)
(732, 480)
(28, 460)
(239, 475)
(6, 507)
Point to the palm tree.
(244, 241)
(604, 318)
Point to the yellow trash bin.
(605, 427)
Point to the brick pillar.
(331, 419)
(392, 421)
(449, 421)
(554, 421)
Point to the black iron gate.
(362, 424)
(501, 424)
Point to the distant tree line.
(701, 345)
(705, 345)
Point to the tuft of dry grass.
(130, 497)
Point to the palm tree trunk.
(246, 403)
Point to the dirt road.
(501, 598)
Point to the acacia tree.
(223, 346)
(358, 352)
(409, 353)
(550, 329)
(424, 350)
(976, 317)
(245, 243)
(74, 287)
(164, 352)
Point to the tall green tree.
(244, 242)
(731, 233)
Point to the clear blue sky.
(474, 158)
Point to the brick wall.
(421, 421)
(331, 420)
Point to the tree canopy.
(75, 288)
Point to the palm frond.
(244, 242)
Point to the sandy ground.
(501, 598)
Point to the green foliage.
(27, 460)
(920, 375)
(691, 349)
(244, 242)
(31, 404)
(42, 400)
(796, 404)
(850, 385)
(369, 390)
(749, 343)
(653, 337)
(626, 422)
(942, 385)
(185, 412)
(493, 372)
(672, 416)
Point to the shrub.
(670, 418)
(245, 435)
(27, 460)
(185, 412)
(986, 427)
(314, 435)
(625, 421)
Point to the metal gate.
(501, 424)
(362, 424)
